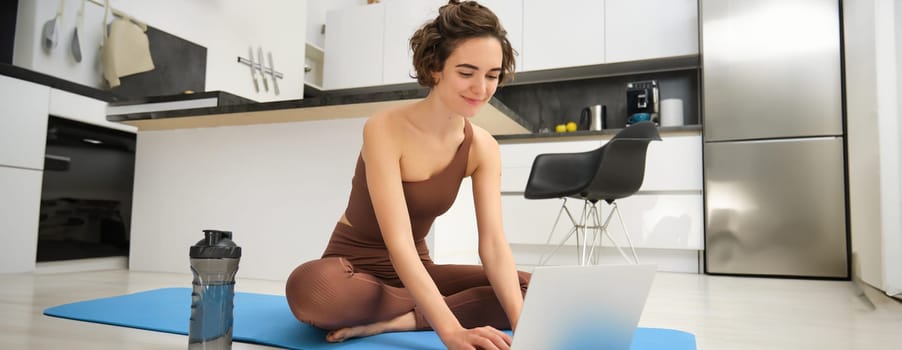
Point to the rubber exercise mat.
(265, 319)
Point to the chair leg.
(578, 229)
(604, 232)
(589, 220)
(599, 232)
(573, 231)
(626, 233)
(583, 226)
(596, 233)
(586, 250)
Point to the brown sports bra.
(363, 245)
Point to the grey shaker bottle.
(214, 262)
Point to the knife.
(272, 69)
(262, 73)
(250, 58)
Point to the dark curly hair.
(457, 21)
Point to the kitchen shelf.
(314, 52)
(607, 70)
(313, 68)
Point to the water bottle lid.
(215, 245)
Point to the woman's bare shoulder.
(483, 141)
(387, 121)
(383, 132)
(484, 151)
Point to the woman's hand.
(482, 338)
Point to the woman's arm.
(494, 251)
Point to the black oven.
(86, 192)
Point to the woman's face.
(470, 75)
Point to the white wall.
(893, 156)
(872, 91)
(864, 194)
(280, 188)
(225, 28)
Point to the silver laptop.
(583, 307)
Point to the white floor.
(723, 312)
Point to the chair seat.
(558, 175)
(612, 171)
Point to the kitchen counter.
(231, 110)
(497, 118)
(590, 135)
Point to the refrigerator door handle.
(816, 138)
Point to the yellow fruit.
(571, 126)
(560, 128)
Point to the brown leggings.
(329, 294)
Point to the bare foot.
(405, 322)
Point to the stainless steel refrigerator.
(774, 168)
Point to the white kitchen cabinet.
(354, 47)
(20, 204)
(84, 109)
(648, 29)
(674, 164)
(564, 33)
(349, 52)
(454, 234)
(510, 13)
(402, 19)
(369, 45)
(23, 123)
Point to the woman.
(376, 275)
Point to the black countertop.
(319, 101)
(225, 98)
(57, 83)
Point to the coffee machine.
(642, 101)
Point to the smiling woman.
(376, 274)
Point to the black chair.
(613, 171)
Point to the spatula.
(50, 32)
(76, 45)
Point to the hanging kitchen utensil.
(250, 57)
(75, 47)
(260, 67)
(50, 32)
(272, 71)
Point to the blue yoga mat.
(265, 319)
